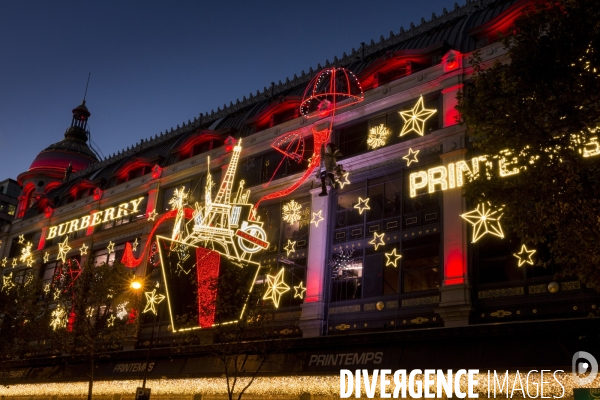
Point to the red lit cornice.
(395, 60)
(134, 163)
(276, 107)
(199, 137)
(78, 186)
(501, 24)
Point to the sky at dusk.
(157, 64)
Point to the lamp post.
(143, 393)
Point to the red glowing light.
(156, 171)
(48, 211)
(97, 194)
(454, 268)
(207, 268)
(328, 88)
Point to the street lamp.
(143, 393)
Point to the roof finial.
(86, 86)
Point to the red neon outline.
(208, 263)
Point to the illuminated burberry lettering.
(98, 217)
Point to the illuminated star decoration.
(392, 258)
(249, 163)
(290, 247)
(316, 218)
(14, 262)
(524, 256)
(30, 262)
(414, 119)
(377, 136)
(152, 215)
(135, 244)
(377, 240)
(21, 239)
(344, 180)
(59, 318)
(7, 282)
(28, 280)
(56, 294)
(83, 249)
(110, 247)
(363, 204)
(46, 257)
(291, 212)
(111, 321)
(300, 289)
(276, 288)
(26, 252)
(89, 312)
(63, 249)
(47, 288)
(152, 299)
(4, 261)
(484, 221)
(411, 157)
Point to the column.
(455, 306)
(313, 308)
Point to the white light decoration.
(110, 247)
(484, 220)
(290, 247)
(292, 212)
(363, 204)
(63, 249)
(392, 258)
(377, 240)
(276, 288)
(122, 310)
(411, 157)
(152, 299)
(377, 136)
(58, 318)
(344, 180)
(524, 256)
(299, 290)
(414, 119)
(83, 249)
(316, 218)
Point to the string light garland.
(363, 204)
(292, 212)
(276, 288)
(392, 258)
(377, 240)
(484, 220)
(377, 136)
(299, 290)
(290, 247)
(524, 256)
(63, 249)
(316, 218)
(414, 119)
(411, 157)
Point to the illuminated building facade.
(392, 265)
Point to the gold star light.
(152, 215)
(46, 257)
(484, 221)
(63, 249)
(4, 261)
(276, 288)
(83, 249)
(56, 294)
(411, 157)
(363, 204)
(344, 180)
(290, 247)
(21, 239)
(152, 299)
(377, 240)
(392, 258)
(7, 282)
(524, 256)
(47, 288)
(134, 245)
(29, 262)
(300, 289)
(110, 247)
(111, 321)
(26, 252)
(14, 262)
(89, 312)
(414, 120)
(316, 218)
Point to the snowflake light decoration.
(122, 310)
(59, 318)
(377, 136)
(292, 212)
(179, 199)
(340, 262)
(26, 252)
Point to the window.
(102, 256)
(358, 270)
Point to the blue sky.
(157, 64)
